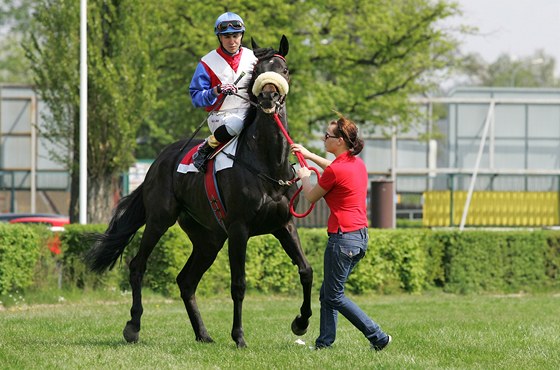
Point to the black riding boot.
(200, 158)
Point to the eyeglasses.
(236, 25)
(327, 136)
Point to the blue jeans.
(343, 252)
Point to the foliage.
(14, 21)
(552, 258)
(467, 264)
(496, 262)
(165, 263)
(121, 86)
(536, 70)
(141, 55)
(268, 268)
(75, 242)
(277, 273)
(19, 254)
(395, 261)
(397, 44)
(408, 260)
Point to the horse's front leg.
(237, 248)
(289, 239)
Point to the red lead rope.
(302, 163)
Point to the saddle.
(210, 183)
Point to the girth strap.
(213, 194)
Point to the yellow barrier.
(492, 208)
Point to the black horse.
(253, 193)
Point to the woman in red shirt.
(343, 184)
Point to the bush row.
(409, 260)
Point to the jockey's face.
(231, 42)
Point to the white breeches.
(233, 120)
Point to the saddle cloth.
(221, 161)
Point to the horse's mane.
(264, 53)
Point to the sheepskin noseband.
(271, 78)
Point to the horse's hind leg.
(203, 256)
(137, 266)
(289, 239)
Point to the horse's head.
(271, 76)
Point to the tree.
(14, 20)
(121, 87)
(362, 58)
(366, 58)
(535, 70)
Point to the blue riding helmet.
(229, 23)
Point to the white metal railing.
(488, 130)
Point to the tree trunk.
(74, 211)
(74, 168)
(101, 199)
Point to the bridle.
(278, 104)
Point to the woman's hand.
(303, 172)
(301, 149)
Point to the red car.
(55, 222)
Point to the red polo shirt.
(345, 181)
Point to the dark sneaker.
(382, 345)
(318, 347)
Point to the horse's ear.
(284, 46)
(254, 44)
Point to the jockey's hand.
(227, 89)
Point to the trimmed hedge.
(19, 254)
(403, 260)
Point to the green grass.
(432, 331)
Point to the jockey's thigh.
(233, 121)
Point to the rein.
(299, 156)
(302, 163)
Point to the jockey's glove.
(227, 89)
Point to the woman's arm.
(321, 162)
(311, 193)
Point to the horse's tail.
(128, 217)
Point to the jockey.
(219, 74)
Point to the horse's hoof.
(241, 344)
(131, 335)
(299, 330)
(205, 339)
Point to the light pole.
(83, 113)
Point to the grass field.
(432, 331)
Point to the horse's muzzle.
(269, 98)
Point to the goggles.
(223, 26)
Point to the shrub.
(75, 274)
(19, 254)
(407, 260)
